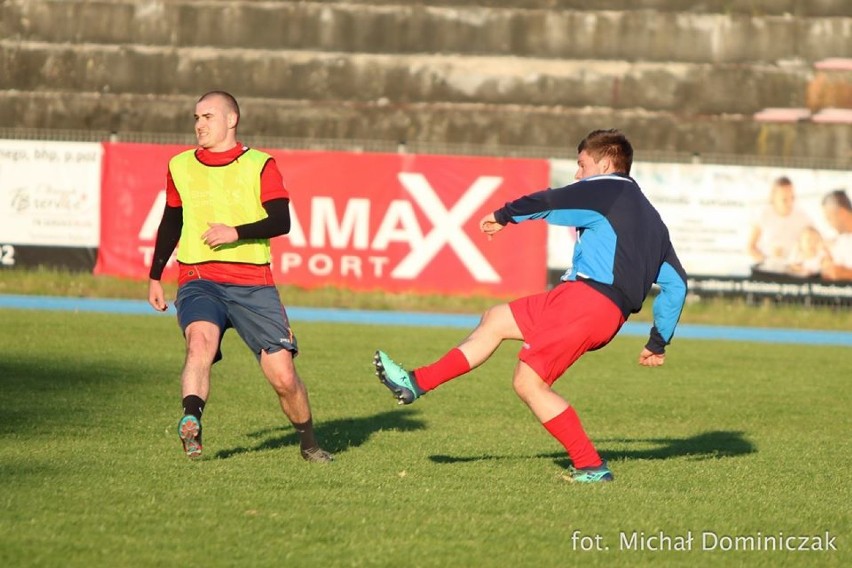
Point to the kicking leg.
(496, 324)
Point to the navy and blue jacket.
(623, 246)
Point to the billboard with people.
(748, 230)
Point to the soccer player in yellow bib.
(224, 201)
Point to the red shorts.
(560, 325)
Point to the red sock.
(567, 429)
(448, 367)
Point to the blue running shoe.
(189, 430)
(400, 382)
(590, 474)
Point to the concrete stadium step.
(776, 7)
(320, 76)
(468, 28)
(477, 124)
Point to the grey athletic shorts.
(254, 311)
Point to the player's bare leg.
(496, 325)
(544, 402)
(202, 343)
(281, 373)
(560, 419)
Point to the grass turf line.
(733, 438)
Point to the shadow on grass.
(49, 390)
(336, 436)
(708, 445)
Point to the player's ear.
(232, 120)
(605, 165)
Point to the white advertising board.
(711, 209)
(50, 193)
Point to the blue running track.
(416, 319)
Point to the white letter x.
(447, 227)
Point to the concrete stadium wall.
(682, 76)
(793, 7)
(346, 27)
(477, 124)
(327, 77)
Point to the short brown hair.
(612, 144)
(839, 199)
(783, 181)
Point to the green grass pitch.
(731, 438)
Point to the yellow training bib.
(227, 194)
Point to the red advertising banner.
(394, 222)
(133, 196)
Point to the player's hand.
(490, 226)
(649, 359)
(156, 296)
(219, 234)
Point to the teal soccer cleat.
(590, 474)
(400, 382)
(189, 430)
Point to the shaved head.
(227, 98)
(216, 117)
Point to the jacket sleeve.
(668, 305)
(566, 206)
